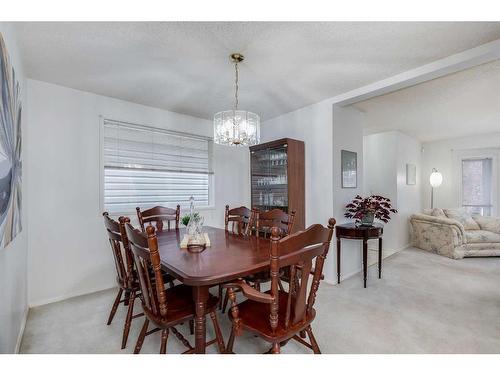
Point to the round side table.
(357, 232)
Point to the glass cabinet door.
(259, 178)
(269, 179)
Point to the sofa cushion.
(463, 217)
(486, 249)
(481, 236)
(488, 223)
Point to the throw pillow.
(438, 212)
(463, 217)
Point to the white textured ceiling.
(458, 105)
(184, 66)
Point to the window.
(145, 167)
(477, 185)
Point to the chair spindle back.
(240, 217)
(159, 214)
(298, 251)
(148, 264)
(122, 255)
(274, 218)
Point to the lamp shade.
(436, 178)
(236, 128)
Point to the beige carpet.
(424, 304)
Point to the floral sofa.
(456, 234)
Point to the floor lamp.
(436, 179)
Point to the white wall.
(325, 132)
(409, 196)
(13, 258)
(69, 253)
(380, 152)
(386, 155)
(439, 155)
(348, 125)
(380, 176)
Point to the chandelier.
(236, 127)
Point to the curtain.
(10, 150)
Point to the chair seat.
(251, 313)
(260, 277)
(167, 278)
(164, 274)
(181, 306)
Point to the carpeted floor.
(424, 303)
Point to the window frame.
(479, 154)
(211, 176)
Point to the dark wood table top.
(353, 231)
(230, 256)
(359, 227)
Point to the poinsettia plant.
(380, 206)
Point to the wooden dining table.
(228, 257)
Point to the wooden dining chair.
(159, 214)
(261, 223)
(278, 316)
(265, 220)
(124, 264)
(165, 308)
(241, 219)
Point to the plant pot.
(367, 219)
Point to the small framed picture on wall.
(349, 161)
(411, 174)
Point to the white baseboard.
(69, 295)
(402, 248)
(21, 331)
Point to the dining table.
(229, 256)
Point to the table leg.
(338, 260)
(200, 297)
(365, 259)
(380, 258)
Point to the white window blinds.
(145, 167)
(476, 185)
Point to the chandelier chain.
(236, 82)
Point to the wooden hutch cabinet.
(277, 177)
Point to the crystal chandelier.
(236, 127)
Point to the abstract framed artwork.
(349, 162)
(10, 150)
(411, 174)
